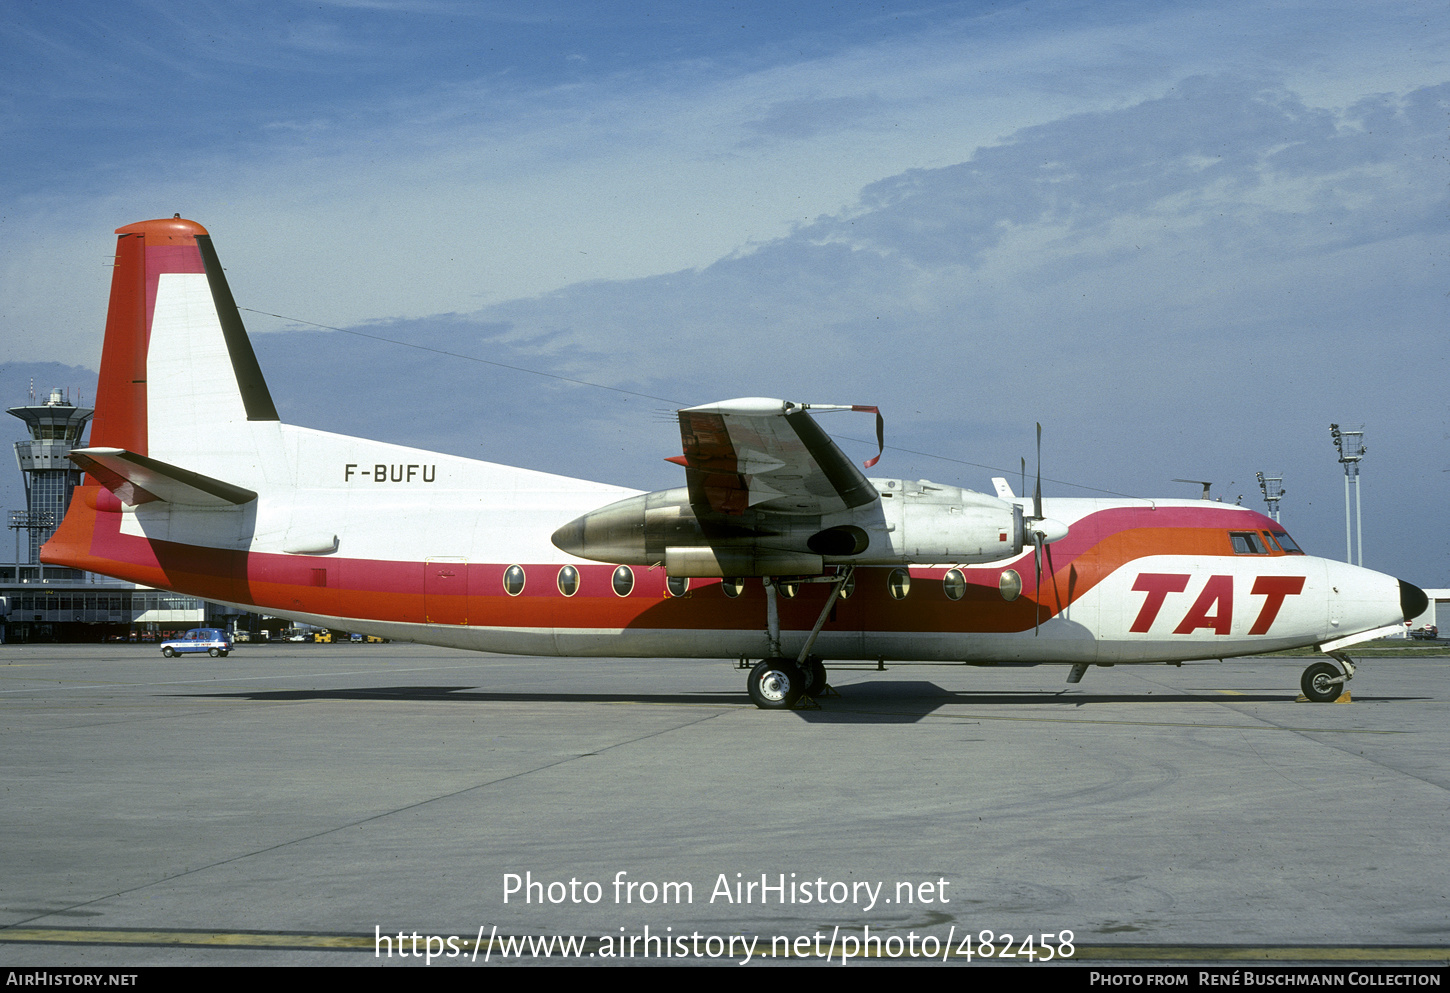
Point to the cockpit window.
(1247, 543)
(1288, 543)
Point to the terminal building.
(51, 603)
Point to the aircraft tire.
(1316, 685)
(814, 674)
(775, 684)
(169, 652)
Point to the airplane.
(777, 548)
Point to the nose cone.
(1413, 601)
(1370, 603)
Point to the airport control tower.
(55, 426)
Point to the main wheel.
(775, 684)
(814, 673)
(215, 653)
(169, 652)
(1316, 682)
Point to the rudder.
(176, 360)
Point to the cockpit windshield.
(1287, 543)
(1247, 543)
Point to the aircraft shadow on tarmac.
(875, 702)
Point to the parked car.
(213, 641)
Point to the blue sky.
(1184, 236)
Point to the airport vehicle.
(777, 547)
(213, 641)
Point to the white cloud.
(446, 195)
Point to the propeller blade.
(1037, 589)
(1037, 493)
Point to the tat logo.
(1214, 607)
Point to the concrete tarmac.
(290, 804)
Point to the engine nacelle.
(940, 524)
(912, 522)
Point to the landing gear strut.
(778, 682)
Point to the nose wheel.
(1323, 682)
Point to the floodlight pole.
(1351, 450)
(1348, 542)
(1358, 511)
(1272, 487)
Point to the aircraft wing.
(770, 455)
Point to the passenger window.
(1010, 585)
(623, 580)
(954, 584)
(568, 580)
(899, 583)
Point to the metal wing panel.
(768, 455)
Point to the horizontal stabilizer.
(136, 479)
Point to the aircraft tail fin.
(179, 385)
(176, 360)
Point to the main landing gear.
(1322, 682)
(777, 683)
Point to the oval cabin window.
(623, 580)
(954, 585)
(899, 584)
(568, 580)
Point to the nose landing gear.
(1322, 682)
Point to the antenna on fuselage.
(1197, 482)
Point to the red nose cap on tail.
(174, 228)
